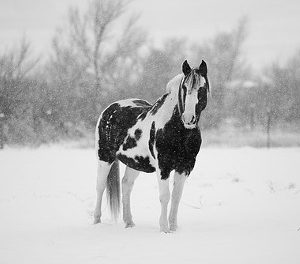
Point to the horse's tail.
(113, 190)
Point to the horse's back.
(125, 113)
(114, 123)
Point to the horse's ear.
(203, 68)
(186, 69)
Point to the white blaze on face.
(192, 83)
(190, 107)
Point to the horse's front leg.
(179, 180)
(164, 197)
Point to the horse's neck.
(166, 111)
(173, 90)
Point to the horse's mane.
(174, 83)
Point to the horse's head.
(192, 94)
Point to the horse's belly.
(134, 150)
(138, 156)
(140, 163)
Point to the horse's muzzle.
(189, 124)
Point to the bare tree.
(90, 30)
(121, 66)
(16, 90)
(17, 63)
(282, 93)
(15, 66)
(94, 56)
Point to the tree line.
(92, 64)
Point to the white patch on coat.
(173, 83)
(130, 102)
(142, 147)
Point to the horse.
(161, 138)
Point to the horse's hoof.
(165, 230)
(173, 228)
(129, 225)
(97, 220)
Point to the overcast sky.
(274, 25)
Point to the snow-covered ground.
(238, 206)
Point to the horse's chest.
(177, 150)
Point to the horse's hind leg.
(127, 184)
(102, 172)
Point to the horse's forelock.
(194, 79)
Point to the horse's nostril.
(188, 119)
(193, 120)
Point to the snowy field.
(238, 206)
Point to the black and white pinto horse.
(163, 137)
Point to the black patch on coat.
(130, 143)
(181, 100)
(206, 82)
(177, 146)
(140, 102)
(202, 101)
(158, 104)
(139, 163)
(137, 134)
(151, 139)
(113, 128)
(142, 116)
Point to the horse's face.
(192, 94)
